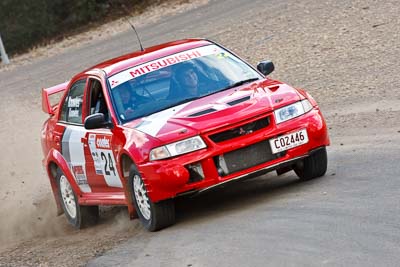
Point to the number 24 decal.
(108, 164)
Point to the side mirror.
(265, 67)
(96, 121)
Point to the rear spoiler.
(46, 92)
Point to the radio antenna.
(137, 35)
(133, 27)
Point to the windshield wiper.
(186, 100)
(240, 83)
(180, 102)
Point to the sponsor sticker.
(73, 113)
(80, 176)
(95, 154)
(163, 62)
(74, 102)
(103, 142)
(103, 158)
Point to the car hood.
(216, 110)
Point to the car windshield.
(176, 79)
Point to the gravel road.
(345, 53)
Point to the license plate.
(288, 141)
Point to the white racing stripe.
(152, 124)
(72, 150)
(101, 152)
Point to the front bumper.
(201, 170)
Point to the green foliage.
(25, 23)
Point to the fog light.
(223, 169)
(196, 172)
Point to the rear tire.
(77, 215)
(313, 166)
(153, 216)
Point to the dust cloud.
(21, 221)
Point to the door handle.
(57, 139)
(84, 141)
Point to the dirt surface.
(30, 232)
(345, 53)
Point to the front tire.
(313, 166)
(77, 215)
(153, 216)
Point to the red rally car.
(175, 119)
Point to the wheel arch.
(52, 168)
(54, 162)
(126, 162)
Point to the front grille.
(240, 130)
(245, 158)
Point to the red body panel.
(170, 177)
(162, 175)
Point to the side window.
(96, 101)
(72, 108)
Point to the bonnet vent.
(203, 112)
(237, 101)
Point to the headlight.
(292, 111)
(177, 148)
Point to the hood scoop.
(238, 101)
(210, 110)
(203, 112)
